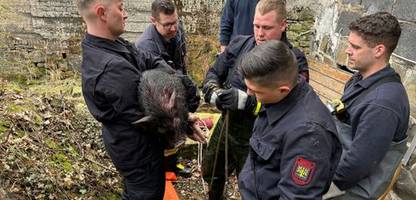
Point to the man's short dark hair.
(378, 28)
(166, 7)
(269, 63)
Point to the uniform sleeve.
(305, 163)
(218, 72)
(227, 22)
(374, 132)
(116, 92)
(147, 45)
(151, 61)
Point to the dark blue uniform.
(224, 73)
(377, 122)
(111, 72)
(237, 19)
(294, 149)
(173, 51)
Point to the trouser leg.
(214, 158)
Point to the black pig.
(163, 98)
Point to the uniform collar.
(160, 41)
(118, 45)
(164, 41)
(285, 40)
(386, 71)
(276, 111)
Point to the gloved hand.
(232, 99)
(211, 90)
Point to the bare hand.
(197, 133)
(222, 48)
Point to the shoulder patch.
(303, 171)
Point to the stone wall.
(38, 29)
(47, 33)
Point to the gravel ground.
(192, 188)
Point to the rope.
(205, 129)
(218, 148)
(226, 153)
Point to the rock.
(413, 171)
(407, 42)
(405, 9)
(405, 186)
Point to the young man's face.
(265, 95)
(268, 27)
(116, 17)
(360, 55)
(166, 25)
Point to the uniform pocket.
(262, 149)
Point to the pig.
(163, 98)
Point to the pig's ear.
(144, 121)
(172, 100)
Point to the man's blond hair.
(265, 6)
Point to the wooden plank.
(333, 72)
(324, 92)
(327, 81)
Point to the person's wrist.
(242, 99)
(214, 97)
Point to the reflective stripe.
(257, 110)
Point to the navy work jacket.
(294, 149)
(173, 51)
(378, 119)
(237, 19)
(224, 71)
(111, 71)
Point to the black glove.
(211, 90)
(232, 99)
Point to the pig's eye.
(161, 130)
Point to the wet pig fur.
(162, 96)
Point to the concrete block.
(407, 71)
(405, 10)
(352, 2)
(136, 27)
(324, 44)
(134, 5)
(344, 20)
(410, 84)
(372, 6)
(341, 56)
(407, 43)
(405, 185)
